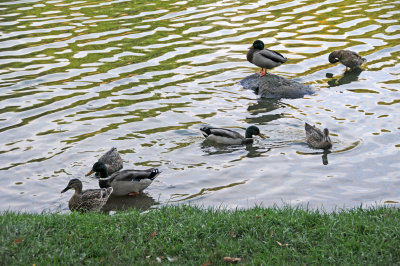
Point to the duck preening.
(264, 58)
(348, 58)
(112, 160)
(125, 182)
(227, 136)
(316, 138)
(86, 200)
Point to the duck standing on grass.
(264, 58)
(112, 160)
(227, 136)
(348, 58)
(86, 200)
(316, 138)
(126, 182)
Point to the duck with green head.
(86, 200)
(228, 136)
(112, 160)
(125, 182)
(264, 58)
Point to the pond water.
(79, 77)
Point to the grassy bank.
(188, 235)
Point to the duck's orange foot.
(133, 194)
(262, 73)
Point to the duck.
(112, 160)
(316, 138)
(126, 182)
(227, 136)
(348, 58)
(86, 200)
(264, 58)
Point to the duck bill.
(65, 189)
(251, 47)
(261, 136)
(91, 172)
(327, 139)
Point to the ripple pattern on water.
(79, 77)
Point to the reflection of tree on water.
(140, 202)
(348, 77)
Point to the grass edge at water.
(191, 235)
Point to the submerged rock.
(275, 87)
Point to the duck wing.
(313, 133)
(133, 175)
(93, 199)
(221, 132)
(272, 55)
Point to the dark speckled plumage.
(348, 58)
(317, 138)
(86, 200)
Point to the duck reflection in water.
(211, 148)
(141, 202)
(348, 77)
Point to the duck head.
(253, 130)
(326, 135)
(333, 57)
(99, 167)
(75, 184)
(258, 45)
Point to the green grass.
(187, 235)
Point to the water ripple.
(80, 77)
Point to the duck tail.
(154, 173)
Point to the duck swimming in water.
(316, 138)
(348, 58)
(86, 200)
(227, 136)
(264, 58)
(126, 182)
(112, 160)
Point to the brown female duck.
(86, 200)
(316, 138)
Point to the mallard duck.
(317, 138)
(348, 58)
(112, 160)
(264, 58)
(86, 200)
(227, 136)
(125, 182)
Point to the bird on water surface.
(316, 138)
(347, 58)
(126, 182)
(227, 136)
(86, 200)
(112, 160)
(264, 58)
